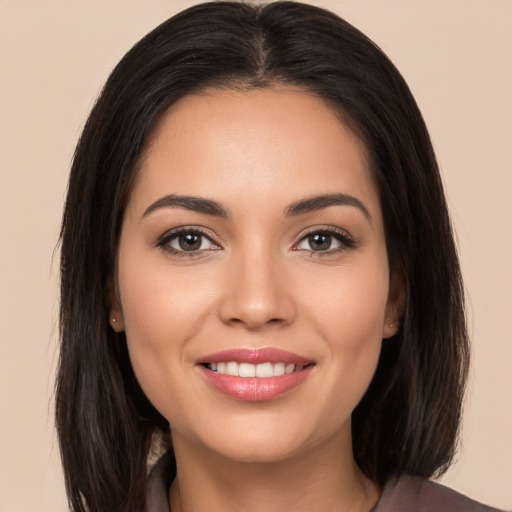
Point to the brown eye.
(187, 241)
(320, 241)
(325, 241)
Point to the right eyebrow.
(196, 204)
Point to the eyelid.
(163, 241)
(346, 240)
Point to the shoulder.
(421, 495)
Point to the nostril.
(256, 304)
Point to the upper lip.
(255, 356)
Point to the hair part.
(408, 420)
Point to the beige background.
(54, 57)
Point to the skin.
(257, 281)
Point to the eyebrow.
(210, 207)
(315, 203)
(196, 204)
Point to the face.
(253, 279)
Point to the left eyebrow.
(197, 204)
(315, 203)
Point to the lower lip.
(255, 389)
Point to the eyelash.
(164, 241)
(346, 241)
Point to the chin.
(256, 449)
(251, 438)
(264, 438)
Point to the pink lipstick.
(255, 374)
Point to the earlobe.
(394, 307)
(116, 319)
(390, 329)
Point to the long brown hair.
(408, 419)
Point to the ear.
(395, 306)
(116, 319)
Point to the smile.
(255, 374)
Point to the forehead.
(222, 143)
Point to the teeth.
(232, 369)
(262, 370)
(246, 370)
(279, 369)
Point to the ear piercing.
(114, 320)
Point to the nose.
(256, 293)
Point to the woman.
(258, 265)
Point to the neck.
(324, 478)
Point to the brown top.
(409, 493)
(406, 494)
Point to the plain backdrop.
(54, 58)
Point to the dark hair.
(408, 420)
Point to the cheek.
(162, 312)
(350, 316)
(160, 304)
(351, 305)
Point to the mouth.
(255, 374)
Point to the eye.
(325, 240)
(186, 241)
